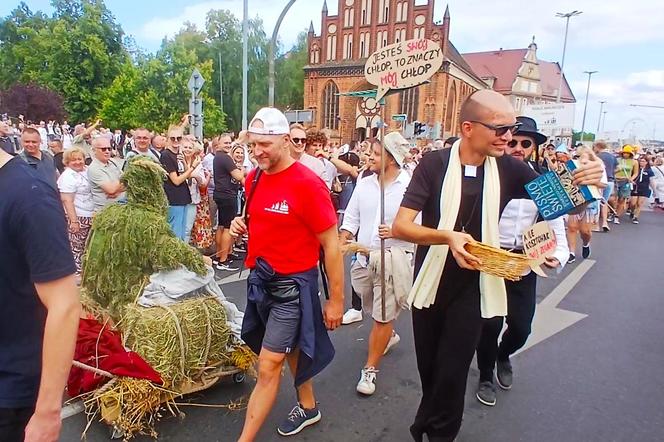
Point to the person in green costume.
(129, 242)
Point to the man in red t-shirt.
(290, 217)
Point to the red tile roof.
(503, 65)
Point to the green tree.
(289, 78)
(153, 92)
(77, 52)
(587, 136)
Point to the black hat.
(529, 128)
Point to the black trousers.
(446, 336)
(521, 300)
(356, 301)
(13, 422)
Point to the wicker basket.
(498, 262)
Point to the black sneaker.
(504, 374)
(486, 393)
(585, 251)
(298, 419)
(226, 266)
(606, 228)
(241, 249)
(234, 256)
(635, 220)
(571, 259)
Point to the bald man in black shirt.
(447, 332)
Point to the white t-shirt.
(44, 137)
(77, 183)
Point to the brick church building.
(336, 65)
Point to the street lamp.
(599, 118)
(585, 108)
(273, 44)
(245, 60)
(567, 16)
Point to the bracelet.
(74, 222)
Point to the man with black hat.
(518, 215)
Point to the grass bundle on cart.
(181, 332)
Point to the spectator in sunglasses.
(297, 150)
(104, 175)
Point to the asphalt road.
(595, 376)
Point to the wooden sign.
(403, 65)
(539, 243)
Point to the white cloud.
(297, 19)
(641, 88)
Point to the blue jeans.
(189, 219)
(177, 218)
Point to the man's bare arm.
(334, 266)
(238, 175)
(112, 188)
(61, 299)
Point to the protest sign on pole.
(402, 65)
(539, 243)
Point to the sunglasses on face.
(500, 130)
(299, 140)
(524, 143)
(106, 149)
(176, 138)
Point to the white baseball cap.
(274, 122)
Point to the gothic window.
(331, 47)
(399, 8)
(367, 44)
(330, 106)
(399, 35)
(348, 46)
(409, 102)
(366, 12)
(404, 12)
(351, 17)
(450, 109)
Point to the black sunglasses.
(299, 140)
(524, 143)
(500, 130)
(106, 149)
(176, 138)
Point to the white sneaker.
(367, 384)
(394, 340)
(351, 316)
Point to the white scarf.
(492, 289)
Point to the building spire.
(325, 7)
(447, 12)
(311, 27)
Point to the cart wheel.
(116, 433)
(239, 378)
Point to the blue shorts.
(282, 324)
(608, 190)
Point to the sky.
(622, 40)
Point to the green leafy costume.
(129, 242)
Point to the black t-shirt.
(423, 194)
(354, 160)
(34, 248)
(225, 186)
(643, 180)
(57, 160)
(177, 195)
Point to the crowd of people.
(292, 201)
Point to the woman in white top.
(76, 197)
(190, 149)
(658, 181)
